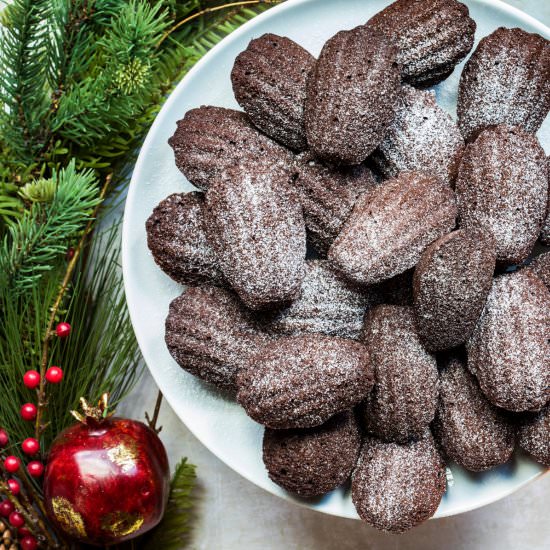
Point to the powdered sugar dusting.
(506, 81)
(404, 398)
(396, 487)
(178, 242)
(502, 186)
(509, 351)
(421, 137)
(328, 304)
(210, 140)
(300, 382)
(258, 232)
(534, 436)
(391, 226)
(451, 282)
(432, 36)
(471, 431)
(210, 334)
(269, 81)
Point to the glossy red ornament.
(23, 532)
(35, 468)
(54, 375)
(11, 464)
(28, 542)
(28, 411)
(4, 439)
(30, 446)
(63, 330)
(31, 379)
(107, 479)
(14, 486)
(6, 508)
(16, 519)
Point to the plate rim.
(132, 191)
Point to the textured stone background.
(233, 514)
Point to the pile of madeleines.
(360, 266)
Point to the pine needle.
(173, 531)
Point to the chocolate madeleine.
(178, 242)
(313, 461)
(328, 304)
(509, 351)
(404, 398)
(545, 232)
(397, 487)
(210, 140)
(470, 430)
(541, 268)
(302, 381)
(327, 196)
(269, 82)
(534, 436)
(352, 95)
(451, 283)
(421, 137)
(505, 81)
(502, 186)
(392, 225)
(432, 36)
(257, 230)
(210, 334)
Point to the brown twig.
(153, 421)
(212, 10)
(32, 522)
(39, 428)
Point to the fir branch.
(34, 243)
(22, 69)
(119, 86)
(172, 531)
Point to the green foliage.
(22, 68)
(101, 353)
(173, 530)
(34, 243)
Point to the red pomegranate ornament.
(107, 479)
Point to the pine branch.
(174, 528)
(101, 354)
(34, 243)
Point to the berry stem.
(152, 422)
(42, 402)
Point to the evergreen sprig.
(173, 531)
(101, 354)
(41, 235)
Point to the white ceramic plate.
(219, 423)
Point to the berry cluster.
(10, 517)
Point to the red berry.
(23, 532)
(28, 411)
(70, 254)
(6, 508)
(35, 468)
(28, 543)
(30, 446)
(11, 464)
(63, 330)
(14, 486)
(54, 375)
(16, 519)
(4, 439)
(31, 379)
